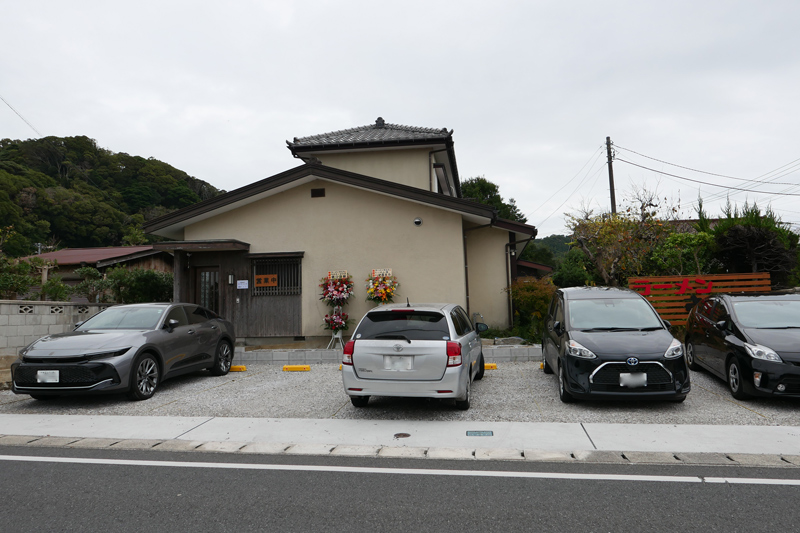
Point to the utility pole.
(611, 177)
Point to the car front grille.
(68, 375)
(606, 379)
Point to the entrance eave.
(217, 245)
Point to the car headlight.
(578, 350)
(675, 350)
(758, 351)
(110, 353)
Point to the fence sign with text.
(674, 296)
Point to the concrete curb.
(464, 454)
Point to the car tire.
(145, 377)
(359, 401)
(222, 359)
(545, 366)
(44, 397)
(691, 360)
(464, 403)
(736, 380)
(481, 368)
(563, 394)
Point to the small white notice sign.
(242, 283)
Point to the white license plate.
(47, 376)
(638, 379)
(398, 362)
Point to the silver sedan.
(422, 350)
(126, 348)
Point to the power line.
(570, 196)
(20, 116)
(751, 180)
(714, 184)
(593, 156)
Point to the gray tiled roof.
(379, 132)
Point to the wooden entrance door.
(207, 288)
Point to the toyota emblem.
(632, 361)
(397, 348)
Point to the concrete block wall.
(23, 321)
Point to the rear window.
(411, 325)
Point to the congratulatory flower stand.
(336, 289)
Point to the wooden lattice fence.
(674, 296)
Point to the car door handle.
(190, 332)
(213, 327)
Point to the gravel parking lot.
(514, 392)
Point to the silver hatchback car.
(424, 350)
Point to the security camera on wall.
(417, 221)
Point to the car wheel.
(44, 397)
(464, 403)
(481, 368)
(735, 380)
(545, 366)
(690, 358)
(223, 359)
(145, 377)
(563, 395)
(359, 401)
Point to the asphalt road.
(514, 392)
(94, 490)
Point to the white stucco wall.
(487, 265)
(354, 230)
(406, 166)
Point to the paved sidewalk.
(617, 443)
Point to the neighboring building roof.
(76, 256)
(379, 135)
(172, 224)
(534, 266)
(380, 132)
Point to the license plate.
(47, 376)
(398, 362)
(639, 379)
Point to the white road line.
(403, 471)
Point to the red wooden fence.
(674, 296)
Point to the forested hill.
(68, 192)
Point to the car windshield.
(124, 318)
(612, 313)
(403, 325)
(768, 313)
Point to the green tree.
(139, 285)
(575, 270)
(752, 240)
(484, 191)
(531, 298)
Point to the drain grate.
(402, 435)
(480, 433)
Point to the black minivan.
(608, 342)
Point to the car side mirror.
(172, 324)
(667, 324)
(558, 328)
(481, 327)
(78, 324)
(721, 325)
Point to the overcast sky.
(532, 89)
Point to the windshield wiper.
(651, 328)
(779, 327)
(398, 337)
